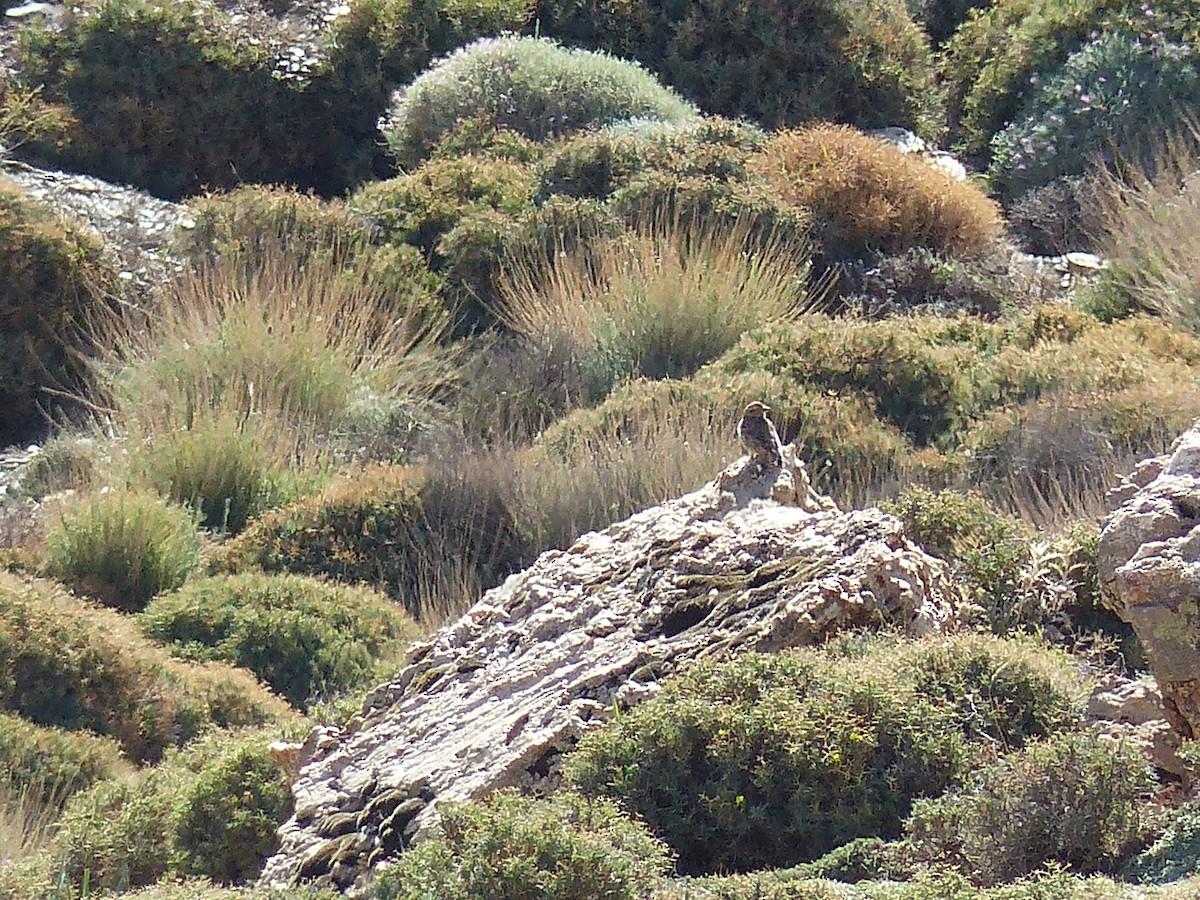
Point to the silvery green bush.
(532, 86)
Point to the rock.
(1149, 566)
(907, 142)
(1132, 712)
(494, 698)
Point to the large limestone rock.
(753, 561)
(1150, 574)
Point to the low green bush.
(867, 196)
(532, 86)
(393, 527)
(52, 281)
(562, 848)
(212, 811)
(1109, 103)
(52, 763)
(774, 62)
(1072, 799)
(767, 761)
(68, 663)
(123, 547)
(1175, 851)
(299, 635)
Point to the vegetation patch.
(301, 636)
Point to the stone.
(1149, 566)
(753, 561)
(1131, 711)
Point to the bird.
(759, 436)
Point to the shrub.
(656, 303)
(921, 281)
(68, 663)
(777, 63)
(866, 195)
(1059, 217)
(52, 280)
(532, 86)
(993, 58)
(124, 547)
(1175, 852)
(397, 528)
(1072, 799)
(765, 761)
(1110, 101)
(299, 635)
(562, 848)
(51, 763)
(986, 549)
(212, 810)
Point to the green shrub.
(531, 86)
(562, 848)
(396, 528)
(1072, 799)
(182, 97)
(767, 761)
(986, 549)
(68, 663)
(866, 195)
(52, 279)
(1110, 102)
(774, 62)
(1175, 852)
(124, 547)
(941, 18)
(300, 636)
(52, 763)
(212, 810)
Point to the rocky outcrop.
(1150, 574)
(753, 561)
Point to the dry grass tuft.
(656, 302)
(867, 196)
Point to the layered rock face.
(752, 561)
(1150, 573)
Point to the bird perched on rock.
(759, 436)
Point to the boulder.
(754, 561)
(1150, 575)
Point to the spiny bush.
(921, 281)
(766, 761)
(1059, 217)
(1072, 799)
(52, 764)
(866, 195)
(726, 765)
(564, 847)
(532, 86)
(1110, 102)
(68, 663)
(52, 281)
(658, 302)
(986, 549)
(401, 529)
(123, 547)
(774, 62)
(299, 635)
(212, 810)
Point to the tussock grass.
(236, 385)
(1150, 231)
(658, 301)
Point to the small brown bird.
(759, 436)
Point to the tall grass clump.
(658, 301)
(123, 547)
(532, 86)
(233, 384)
(1150, 232)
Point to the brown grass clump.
(867, 196)
(70, 663)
